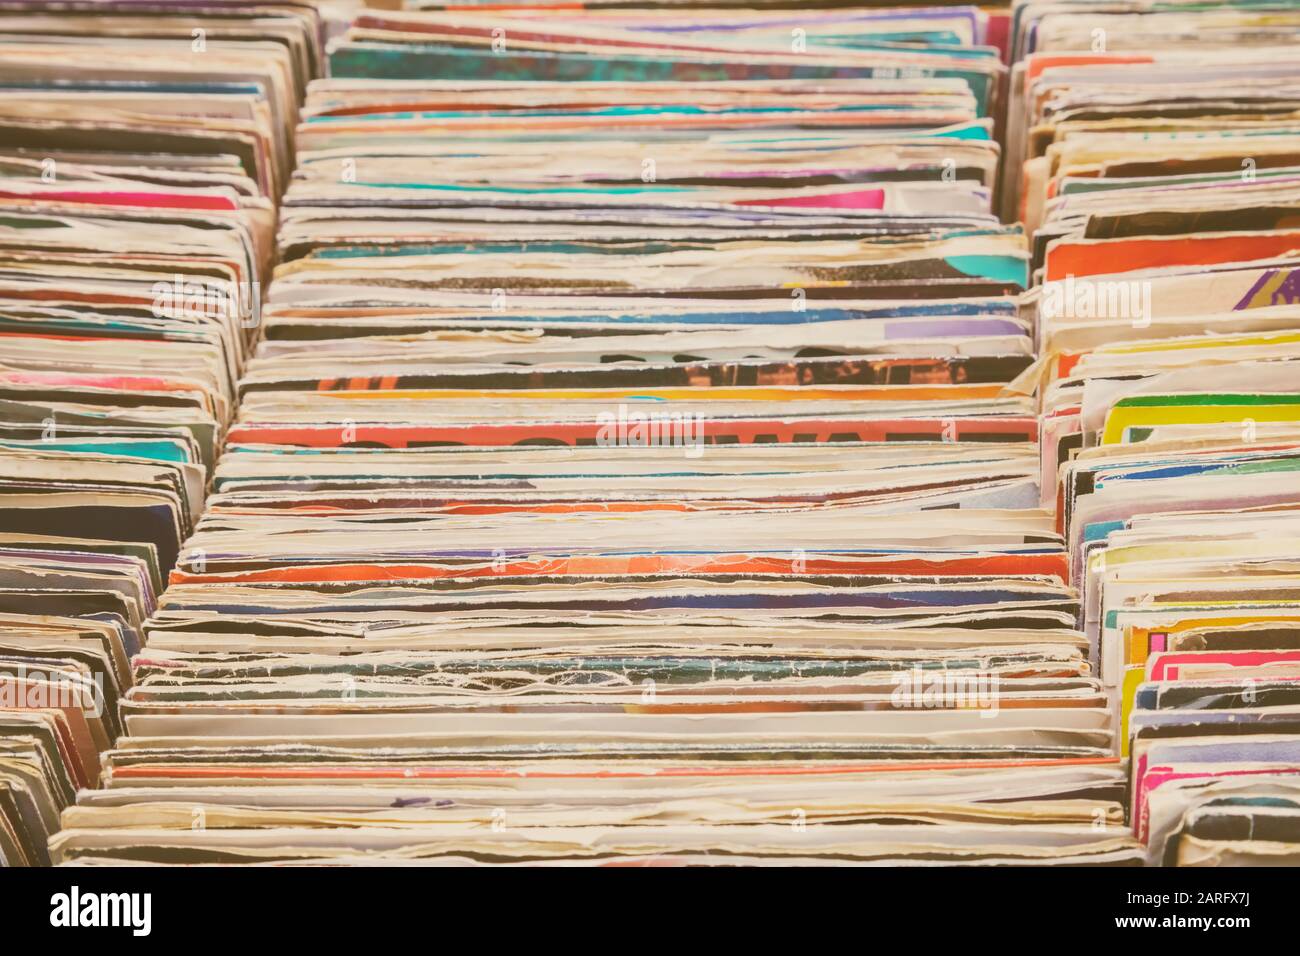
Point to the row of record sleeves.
(649, 434)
